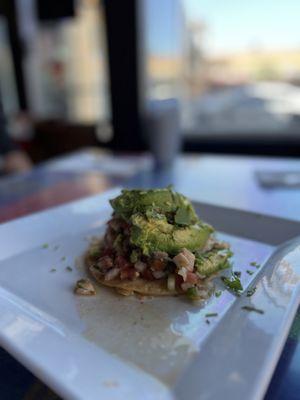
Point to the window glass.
(242, 66)
(164, 45)
(7, 81)
(66, 64)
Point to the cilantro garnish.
(209, 315)
(249, 272)
(255, 264)
(218, 293)
(234, 284)
(237, 273)
(250, 308)
(192, 293)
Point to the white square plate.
(111, 347)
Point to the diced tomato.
(178, 281)
(157, 265)
(121, 262)
(128, 273)
(107, 251)
(110, 237)
(147, 274)
(191, 277)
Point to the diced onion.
(112, 273)
(158, 274)
(171, 282)
(182, 272)
(140, 266)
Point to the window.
(7, 81)
(164, 46)
(65, 67)
(242, 67)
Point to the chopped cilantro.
(53, 270)
(68, 268)
(209, 315)
(255, 264)
(45, 246)
(250, 292)
(233, 284)
(192, 293)
(218, 293)
(207, 321)
(237, 273)
(63, 258)
(250, 308)
(56, 247)
(249, 272)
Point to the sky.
(231, 25)
(162, 26)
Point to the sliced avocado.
(212, 262)
(161, 201)
(156, 234)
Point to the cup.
(161, 127)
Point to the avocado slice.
(212, 262)
(162, 201)
(156, 234)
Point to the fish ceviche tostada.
(155, 245)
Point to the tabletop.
(265, 185)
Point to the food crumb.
(53, 270)
(207, 321)
(68, 268)
(63, 258)
(255, 264)
(84, 287)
